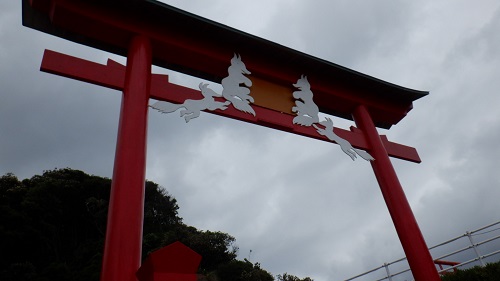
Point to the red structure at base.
(149, 32)
(175, 262)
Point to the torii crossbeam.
(112, 75)
(150, 32)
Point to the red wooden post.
(417, 253)
(122, 252)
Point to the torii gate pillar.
(122, 252)
(414, 246)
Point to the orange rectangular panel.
(272, 95)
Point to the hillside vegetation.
(491, 272)
(52, 227)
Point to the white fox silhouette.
(307, 111)
(192, 108)
(232, 90)
(344, 144)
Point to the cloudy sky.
(300, 205)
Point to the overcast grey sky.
(300, 205)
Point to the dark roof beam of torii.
(199, 47)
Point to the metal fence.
(469, 253)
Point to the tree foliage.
(491, 272)
(54, 224)
(237, 270)
(289, 277)
(47, 229)
(52, 227)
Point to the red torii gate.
(149, 32)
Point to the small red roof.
(172, 262)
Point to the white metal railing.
(403, 271)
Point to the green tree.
(52, 227)
(491, 272)
(237, 270)
(290, 277)
(216, 248)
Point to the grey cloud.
(300, 205)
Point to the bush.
(491, 272)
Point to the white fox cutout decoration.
(305, 108)
(233, 91)
(192, 108)
(344, 144)
(307, 115)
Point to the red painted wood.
(416, 250)
(172, 262)
(122, 252)
(112, 76)
(198, 47)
